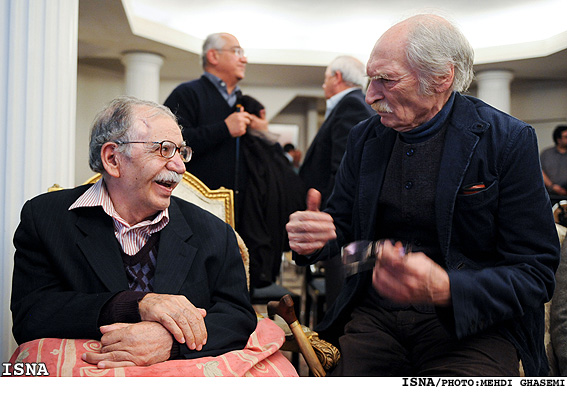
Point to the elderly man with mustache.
(456, 183)
(123, 261)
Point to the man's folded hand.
(178, 315)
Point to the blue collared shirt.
(334, 100)
(221, 87)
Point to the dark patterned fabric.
(140, 267)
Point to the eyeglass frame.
(237, 50)
(177, 148)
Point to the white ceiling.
(290, 42)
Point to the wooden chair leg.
(285, 309)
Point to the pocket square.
(473, 188)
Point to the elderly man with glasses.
(122, 261)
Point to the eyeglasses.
(167, 149)
(238, 51)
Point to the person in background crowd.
(212, 118)
(293, 155)
(554, 163)
(344, 80)
(215, 122)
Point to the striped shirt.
(131, 238)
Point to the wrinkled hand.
(126, 345)
(237, 123)
(412, 278)
(178, 315)
(310, 230)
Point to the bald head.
(224, 57)
(414, 68)
(433, 47)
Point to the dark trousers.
(380, 342)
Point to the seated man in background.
(457, 183)
(122, 261)
(293, 155)
(554, 163)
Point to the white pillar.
(38, 79)
(312, 123)
(494, 88)
(142, 74)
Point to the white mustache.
(381, 106)
(168, 177)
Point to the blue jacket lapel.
(461, 140)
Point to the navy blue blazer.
(68, 265)
(325, 153)
(500, 245)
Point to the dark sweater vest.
(140, 270)
(406, 209)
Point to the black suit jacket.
(324, 156)
(68, 265)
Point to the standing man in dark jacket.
(460, 183)
(206, 109)
(215, 120)
(344, 80)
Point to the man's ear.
(339, 76)
(445, 83)
(110, 159)
(212, 57)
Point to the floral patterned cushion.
(260, 358)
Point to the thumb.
(313, 200)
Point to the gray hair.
(352, 70)
(115, 122)
(213, 41)
(433, 46)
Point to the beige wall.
(95, 87)
(543, 104)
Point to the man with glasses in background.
(211, 118)
(122, 261)
(214, 120)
